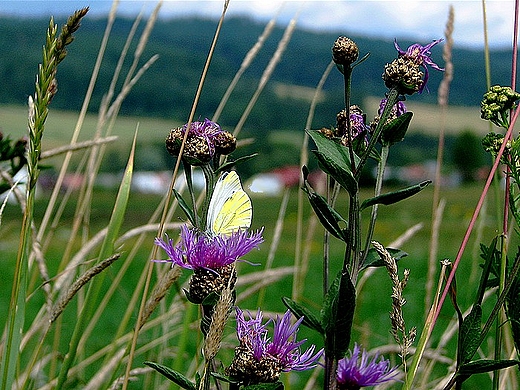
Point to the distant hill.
(168, 87)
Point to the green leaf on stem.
(344, 315)
(513, 312)
(482, 366)
(185, 207)
(172, 375)
(222, 377)
(337, 315)
(299, 311)
(118, 213)
(329, 218)
(334, 159)
(469, 335)
(396, 196)
(230, 164)
(374, 260)
(327, 314)
(395, 130)
(513, 308)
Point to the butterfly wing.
(230, 208)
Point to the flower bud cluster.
(492, 143)
(358, 127)
(496, 103)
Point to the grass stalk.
(83, 112)
(425, 334)
(475, 215)
(266, 75)
(53, 53)
(278, 229)
(160, 232)
(442, 100)
(248, 59)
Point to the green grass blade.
(106, 250)
(16, 314)
(116, 220)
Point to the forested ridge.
(168, 87)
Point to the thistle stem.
(377, 191)
(392, 98)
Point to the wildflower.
(205, 139)
(358, 128)
(344, 51)
(210, 257)
(421, 56)
(258, 359)
(357, 371)
(398, 109)
(404, 75)
(496, 103)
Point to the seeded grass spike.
(46, 87)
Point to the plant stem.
(347, 76)
(209, 175)
(391, 99)
(377, 191)
(352, 255)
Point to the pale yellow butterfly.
(230, 208)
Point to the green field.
(371, 323)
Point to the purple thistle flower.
(421, 56)
(397, 110)
(358, 371)
(205, 139)
(201, 251)
(207, 130)
(252, 333)
(357, 125)
(260, 359)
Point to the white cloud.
(418, 19)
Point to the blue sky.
(419, 19)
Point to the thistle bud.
(344, 51)
(225, 143)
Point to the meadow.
(91, 307)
